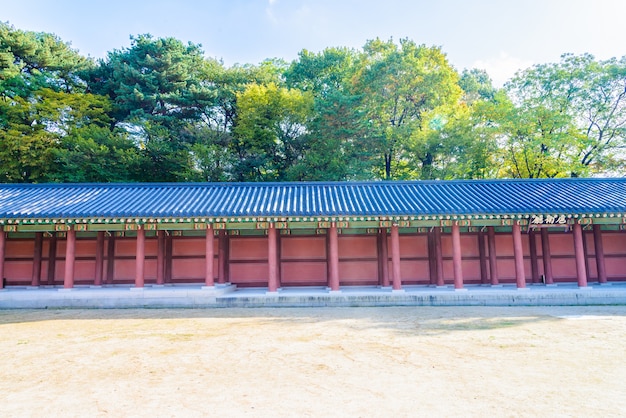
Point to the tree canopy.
(160, 110)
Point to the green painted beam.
(105, 227)
(36, 228)
(302, 225)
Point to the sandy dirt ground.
(361, 362)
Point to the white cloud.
(502, 68)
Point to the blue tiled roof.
(313, 199)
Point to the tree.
(33, 60)
(337, 144)
(476, 85)
(537, 142)
(457, 141)
(323, 73)
(270, 131)
(25, 150)
(159, 91)
(40, 86)
(576, 113)
(59, 136)
(95, 154)
(156, 80)
(214, 149)
(398, 84)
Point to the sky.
(500, 36)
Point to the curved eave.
(242, 202)
(358, 222)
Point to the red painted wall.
(188, 260)
(614, 244)
(248, 261)
(303, 259)
(358, 260)
(414, 267)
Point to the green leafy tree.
(571, 116)
(476, 85)
(30, 61)
(270, 131)
(537, 142)
(159, 90)
(337, 144)
(59, 136)
(338, 147)
(398, 84)
(155, 80)
(26, 151)
(457, 143)
(39, 81)
(213, 148)
(95, 154)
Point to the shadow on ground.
(401, 320)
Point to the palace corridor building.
(278, 235)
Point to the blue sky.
(500, 36)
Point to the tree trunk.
(427, 167)
(388, 166)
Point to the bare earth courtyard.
(391, 361)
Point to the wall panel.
(303, 261)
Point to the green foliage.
(160, 110)
(476, 85)
(398, 84)
(338, 148)
(323, 73)
(569, 118)
(26, 155)
(455, 143)
(158, 80)
(95, 154)
(537, 142)
(30, 61)
(41, 100)
(270, 132)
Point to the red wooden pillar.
(384, 258)
(432, 265)
(579, 250)
(209, 260)
(457, 257)
(160, 278)
(493, 257)
(586, 255)
(547, 256)
(169, 256)
(599, 249)
(2, 255)
(97, 281)
(36, 276)
(395, 258)
(333, 258)
(111, 258)
(484, 278)
(534, 268)
(140, 257)
(272, 258)
(438, 257)
(52, 259)
(70, 256)
(222, 257)
(518, 252)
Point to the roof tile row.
(313, 199)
